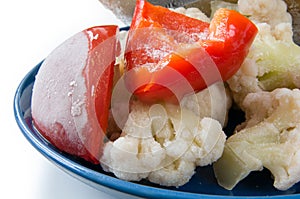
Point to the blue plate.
(202, 185)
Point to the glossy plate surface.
(202, 185)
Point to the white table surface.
(30, 30)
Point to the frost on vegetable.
(270, 139)
(164, 144)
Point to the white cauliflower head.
(272, 12)
(270, 138)
(163, 144)
(214, 101)
(274, 59)
(128, 157)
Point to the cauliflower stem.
(278, 62)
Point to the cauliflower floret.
(270, 64)
(274, 59)
(202, 140)
(270, 138)
(128, 157)
(214, 101)
(163, 144)
(170, 174)
(272, 12)
(244, 81)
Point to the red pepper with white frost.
(72, 92)
(169, 54)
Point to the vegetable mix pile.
(152, 102)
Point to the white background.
(30, 30)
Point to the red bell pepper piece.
(169, 54)
(72, 92)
